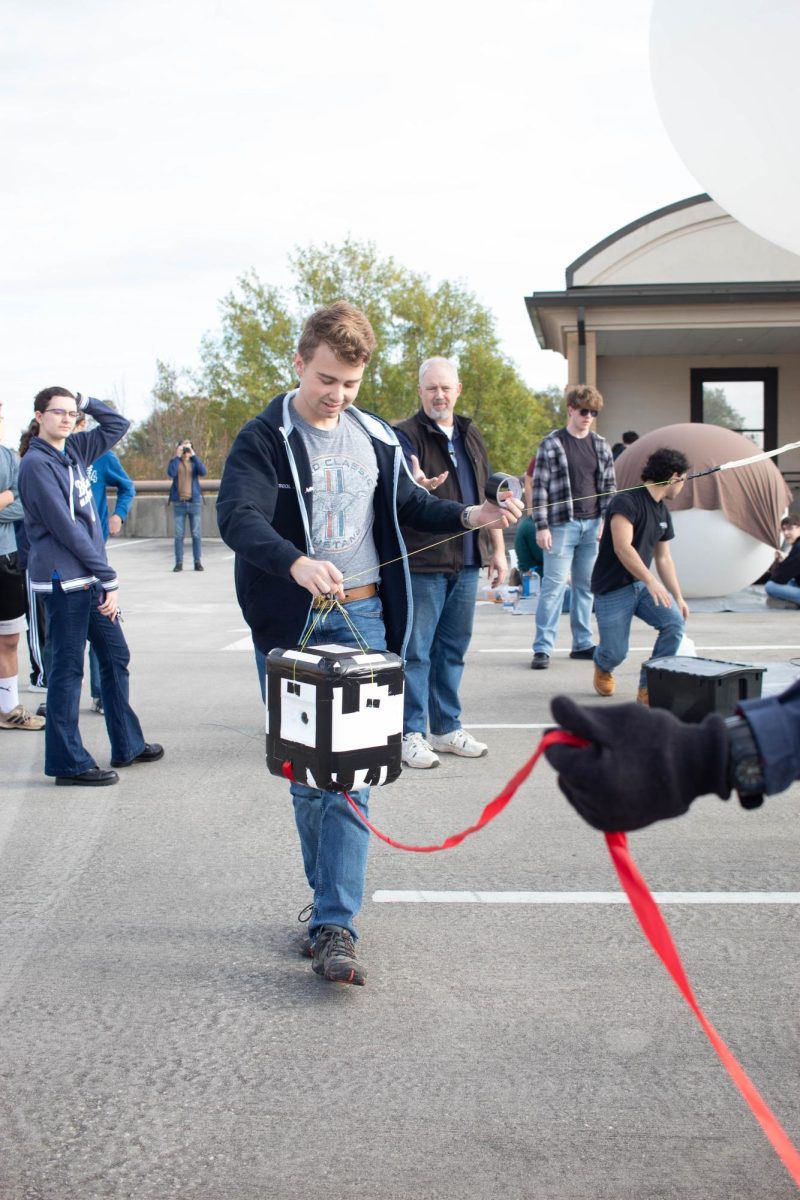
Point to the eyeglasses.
(588, 412)
(63, 412)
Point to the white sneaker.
(459, 742)
(416, 752)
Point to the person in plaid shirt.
(573, 480)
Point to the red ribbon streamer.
(653, 926)
(658, 935)
(492, 809)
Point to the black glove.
(643, 764)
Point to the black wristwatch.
(745, 773)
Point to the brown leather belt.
(353, 594)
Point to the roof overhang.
(714, 318)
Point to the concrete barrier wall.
(152, 517)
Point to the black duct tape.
(499, 483)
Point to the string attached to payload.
(334, 712)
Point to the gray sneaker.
(335, 957)
(20, 718)
(459, 742)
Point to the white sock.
(9, 696)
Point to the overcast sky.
(154, 151)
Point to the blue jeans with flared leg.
(615, 611)
(72, 618)
(573, 551)
(333, 841)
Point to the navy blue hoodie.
(264, 513)
(61, 521)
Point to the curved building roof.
(688, 255)
(691, 241)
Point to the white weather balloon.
(725, 76)
(714, 557)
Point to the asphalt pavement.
(160, 1036)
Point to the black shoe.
(540, 662)
(97, 705)
(335, 957)
(94, 777)
(41, 710)
(586, 652)
(177, 567)
(198, 566)
(152, 753)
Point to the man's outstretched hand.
(641, 764)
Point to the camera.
(186, 446)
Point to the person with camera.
(185, 471)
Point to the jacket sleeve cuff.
(82, 400)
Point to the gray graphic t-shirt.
(344, 471)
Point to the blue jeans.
(72, 618)
(333, 841)
(574, 551)
(444, 609)
(615, 611)
(783, 591)
(261, 668)
(94, 674)
(193, 510)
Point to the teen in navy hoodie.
(67, 563)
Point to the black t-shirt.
(787, 571)
(582, 467)
(651, 524)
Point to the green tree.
(250, 360)
(717, 410)
(178, 413)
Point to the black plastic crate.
(691, 688)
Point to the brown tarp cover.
(754, 498)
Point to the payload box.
(335, 713)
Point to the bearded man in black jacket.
(447, 455)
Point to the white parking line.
(390, 897)
(245, 643)
(476, 725)
(637, 649)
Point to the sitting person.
(530, 555)
(784, 581)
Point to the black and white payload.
(335, 713)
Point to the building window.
(744, 399)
